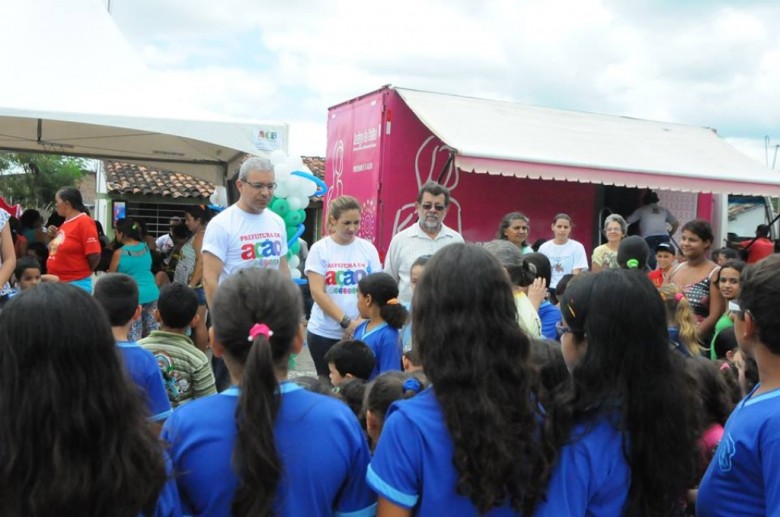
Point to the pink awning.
(495, 137)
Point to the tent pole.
(446, 165)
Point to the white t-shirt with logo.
(564, 258)
(241, 239)
(343, 266)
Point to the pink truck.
(498, 157)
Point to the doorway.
(616, 200)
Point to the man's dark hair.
(762, 230)
(177, 304)
(434, 189)
(352, 357)
(118, 294)
(759, 292)
(649, 198)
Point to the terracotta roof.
(129, 178)
(316, 164)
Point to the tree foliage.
(33, 179)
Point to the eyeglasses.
(561, 328)
(430, 206)
(261, 186)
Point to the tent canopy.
(205, 149)
(76, 86)
(509, 139)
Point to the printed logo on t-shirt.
(726, 451)
(262, 249)
(175, 384)
(55, 243)
(342, 278)
(562, 265)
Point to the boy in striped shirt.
(185, 369)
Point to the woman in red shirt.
(74, 251)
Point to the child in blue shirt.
(382, 392)
(78, 442)
(468, 444)
(742, 477)
(349, 359)
(549, 314)
(379, 306)
(624, 438)
(118, 294)
(265, 446)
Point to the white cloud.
(704, 63)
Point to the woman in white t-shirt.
(567, 256)
(334, 267)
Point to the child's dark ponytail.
(394, 313)
(384, 292)
(522, 275)
(413, 385)
(257, 330)
(255, 456)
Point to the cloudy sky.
(711, 63)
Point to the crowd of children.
(620, 393)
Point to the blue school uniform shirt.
(591, 476)
(549, 314)
(385, 342)
(743, 477)
(168, 503)
(412, 466)
(144, 371)
(318, 439)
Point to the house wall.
(88, 188)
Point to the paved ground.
(304, 366)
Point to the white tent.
(494, 137)
(73, 85)
(206, 149)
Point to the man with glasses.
(245, 234)
(742, 477)
(429, 235)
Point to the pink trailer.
(499, 157)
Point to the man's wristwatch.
(345, 321)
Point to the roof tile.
(130, 178)
(316, 164)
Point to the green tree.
(33, 179)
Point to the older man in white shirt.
(429, 235)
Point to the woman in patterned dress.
(695, 277)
